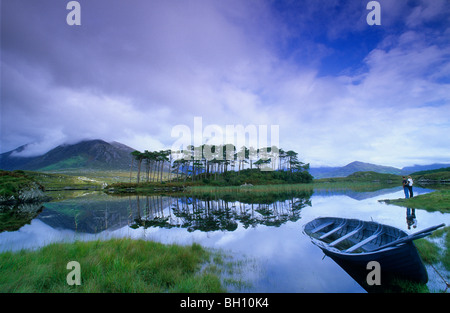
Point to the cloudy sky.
(339, 89)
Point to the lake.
(262, 233)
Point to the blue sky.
(339, 89)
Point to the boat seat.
(322, 226)
(334, 230)
(377, 233)
(348, 235)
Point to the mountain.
(419, 168)
(356, 166)
(344, 171)
(9, 162)
(92, 154)
(322, 172)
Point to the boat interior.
(352, 236)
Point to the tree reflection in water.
(214, 212)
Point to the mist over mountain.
(89, 154)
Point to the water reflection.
(206, 213)
(411, 219)
(362, 193)
(90, 213)
(13, 217)
(266, 227)
(94, 213)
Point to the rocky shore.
(17, 188)
(33, 192)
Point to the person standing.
(405, 187)
(410, 186)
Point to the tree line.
(210, 161)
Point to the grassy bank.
(59, 181)
(79, 179)
(434, 201)
(118, 265)
(433, 253)
(202, 188)
(119, 181)
(445, 255)
(435, 249)
(438, 175)
(11, 183)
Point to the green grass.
(117, 265)
(201, 188)
(434, 201)
(73, 162)
(445, 255)
(442, 174)
(100, 176)
(67, 179)
(399, 285)
(321, 185)
(58, 181)
(12, 182)
(252, 189)
(120, 180)
(228, 182)
(435, 253)
(429, 251)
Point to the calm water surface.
(266, 233)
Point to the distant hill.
(439, 170)
(344, 171)
(9, 162)
(322, 172)
(420, 168)
(441, 175)
(91, 154)
(356, 166)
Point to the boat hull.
(401, 260)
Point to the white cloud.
(159, 64)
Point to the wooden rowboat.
(354, 243)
